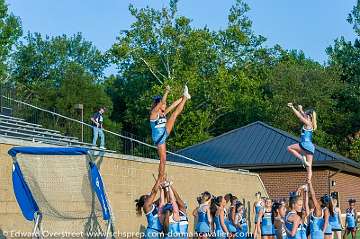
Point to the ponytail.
(198, 199)
(233, 199)
(274, 209)
(215, 203)
(258, 195)
(293, 200)
(139, 205)
(205, 196)
(331, 208)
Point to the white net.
(61, 187)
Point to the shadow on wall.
(142, 228)
(2, 234)
(93, 224)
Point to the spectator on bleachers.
(98, 129)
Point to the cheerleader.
(203, 215)
(266, 221)
(279, 213)
(240, 221)
(335, 220)
(218, 213)
(295, 224)
(317, 221)
(328, 209)
(184, 221)
(161, 127)
(257, 207)
(351, 220)
(172, 215)
(230, 216)
(305, 150)
(152, 210)
(195, 211)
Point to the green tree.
(344, 59)
(162, 48)
(39, 65)
(58, 72)
(10, 31)
(78, 87)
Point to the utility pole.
(81, 108)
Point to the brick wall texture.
(279, 183)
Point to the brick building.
(261, 148)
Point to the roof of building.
(259, 146)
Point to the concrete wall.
(126, 178)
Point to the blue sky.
(309, 25)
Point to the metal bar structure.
(37, 232)
(131, 140)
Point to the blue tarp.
(98, 187)
(23, 195)
(47, 151)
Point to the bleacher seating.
(17, 128)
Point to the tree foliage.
(163, 48)
(10, 31)
(344, 59)
(59, 72)
(234, 79)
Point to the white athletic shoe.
(102, 148)
(186, 92)
(167, 184)
(304, 187)
(304, 162)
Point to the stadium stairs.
(17, 128)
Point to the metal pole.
(81, 108)
(82, 125)
(1, 98)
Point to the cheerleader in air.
(152, 209)
(203, 215)
(351, 220)
(305, 150)
(161, 127)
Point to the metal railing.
(122, 142)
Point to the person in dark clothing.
(98, 130)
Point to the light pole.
(81, 107)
